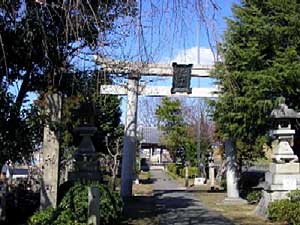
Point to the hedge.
(179, 170)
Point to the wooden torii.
(132, 90)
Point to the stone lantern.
(284, 171)
(283, 153)
(86, 164)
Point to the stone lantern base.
(280, 180)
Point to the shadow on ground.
(180, 208)
(140, 210)
(147, 181)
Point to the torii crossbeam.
(132, 90)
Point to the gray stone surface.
(176, 205)
(130, 138)
(93, 206)
(50, 172)
(231, 170)
(234, 201)
(3, 190)
(267, 198)
(283, 175)
(272, 178)
(290, 168)
(86, 165)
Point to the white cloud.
(189, 56)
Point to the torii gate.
(132, 90)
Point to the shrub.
(284, 211)
(179, 170)
(254, 197)
(192, 172)
(74, 207)
(172, 168)
(43, 217)
(294, 195)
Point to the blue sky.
(166, 38)
(182, 46)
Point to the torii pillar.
(130, 137)
(233, 196)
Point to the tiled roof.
(150, 135)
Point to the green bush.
(43, 217)
(179, 170)
(294, 196)
(254, 197)
(74, 207)
(192, 172)
(284, 211)
(172, 168)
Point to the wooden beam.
(159, 91)
(126, 67)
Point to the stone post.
(94, 206)
(50, 169)
(186, 175)
(130, 140)
(211, 175)
(3, 201)
(231, 174)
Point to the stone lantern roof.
(284, 112)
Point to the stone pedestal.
(280, 180)
(86, 165)
(199, 181)
(211, 175)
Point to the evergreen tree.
(171, 121)
(260, 63)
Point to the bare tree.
(192, 115)
(114, 153)
(147, 107)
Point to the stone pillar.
(160, 155)
(130, 140)
(186, 176)
(212, 175)
(231, 174)
(50, 169)
(151, 153)
(94, 206)
(3, 201)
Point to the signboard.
(181, 78)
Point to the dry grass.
(239, 214)
(140, 210)
(144, 188)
